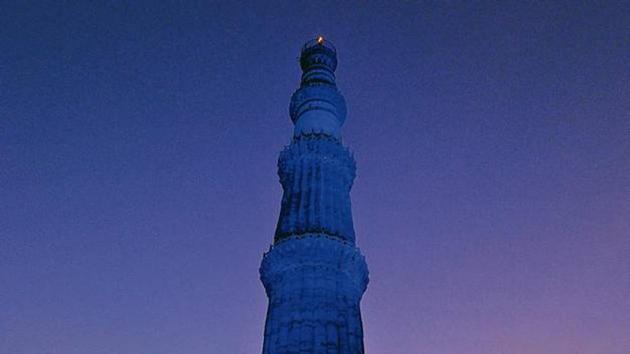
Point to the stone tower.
(314, 274)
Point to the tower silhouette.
(313, 274)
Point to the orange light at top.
(320, 40)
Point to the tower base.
(314, 283)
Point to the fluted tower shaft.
(313, 274)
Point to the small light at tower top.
(320, 39)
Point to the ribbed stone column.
(316, 173)
(313, 274)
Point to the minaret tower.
(314, 274)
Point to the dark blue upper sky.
(138, 187)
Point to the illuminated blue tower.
(314, 274)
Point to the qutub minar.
(314, 274)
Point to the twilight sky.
(138, 187)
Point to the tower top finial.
(318, 61)
(319, 41)
(317, 107)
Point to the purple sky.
(138, 186)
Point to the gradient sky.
(138, 186)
